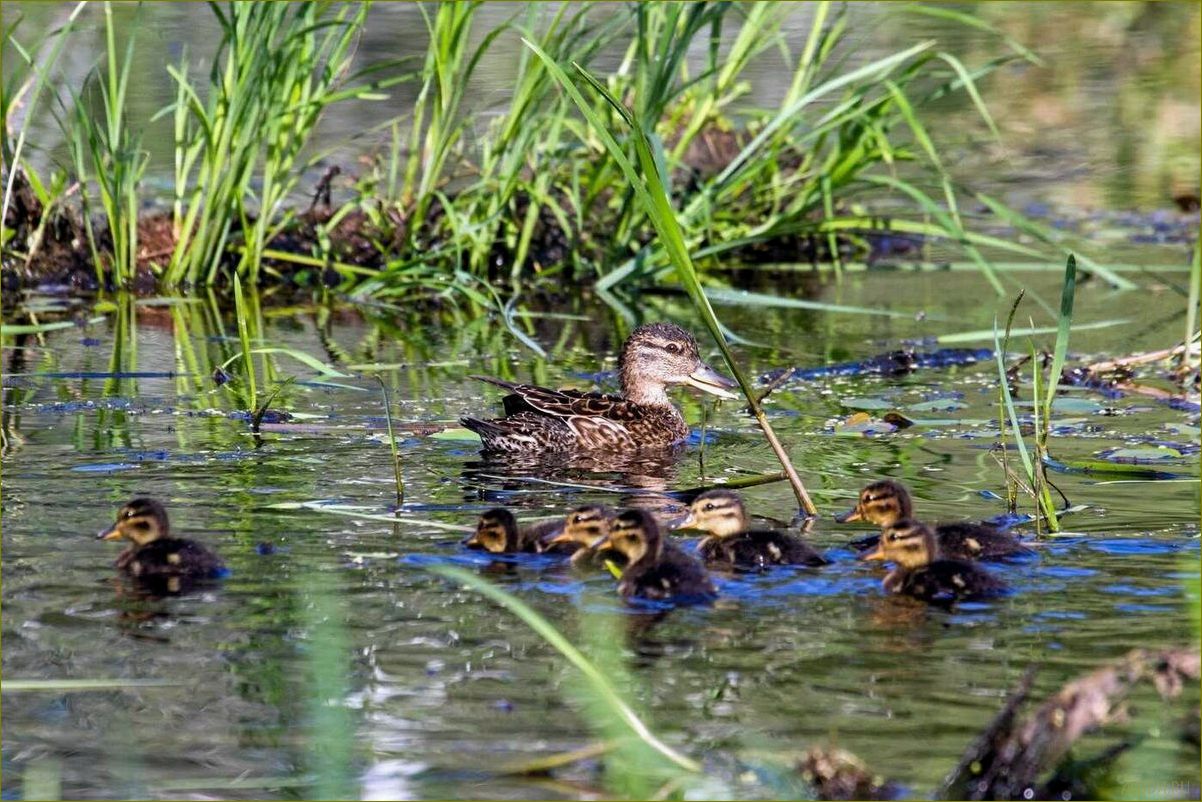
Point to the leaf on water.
(937, 405)
(1141, 454)
(458, 433)
(1077, 405)
(24, 328)
(866, 403)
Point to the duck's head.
(496, 532)
(659, 355)
(883, 503)
(141, 521)
(635, 535)
(906, 543)
(584, 526)
(719, 512)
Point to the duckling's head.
(496, 531)
(584, 526)
(635, 535)
(907, 543)
(141, 521)
(719, 512)
(658, 355)
(883, 503)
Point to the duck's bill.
(875, 554)
(110, 533)
(562, 537)
(711, 381)
(849, 516)
(686, 521)
(473, 542)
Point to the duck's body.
(731, 544)
(887, 502)
(656, 569)
(759, 549)
(497, 532)
(944, 580)
(153, 553)
(920, 571)
(654, 357)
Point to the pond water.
(332, 618)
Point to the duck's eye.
(673, 348)
(708, 507)
(127, 514)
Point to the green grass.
(539, 197)
(641, 761)
(1034, 458)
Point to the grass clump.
(538, 197)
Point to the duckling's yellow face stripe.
(139, 529)
(722, 517)
(629, 541)
(490, 537)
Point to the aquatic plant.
(638, 762)
(538, 195)
(236, 153)
(648, 185)
(1043, 393)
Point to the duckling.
(886, 502)
(582, 529)
(497, 532)
(153, 554)
(731, 542)
(921, 572)
(654, 357)
(655, 569)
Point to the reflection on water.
(442, 687)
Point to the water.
(437, 689)
(442, 688)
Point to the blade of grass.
(396, 454)
(657, 205)
(551, 635)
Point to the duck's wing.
(562, 403)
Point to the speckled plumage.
(944, 580)
(759, 549)
(654, 357)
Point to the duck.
(497, 532)
(583, 528)
(153, 552)
(920, 571)
(654, 357)
(886, 502)
(731, 542)
(656, 569)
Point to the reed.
(1034, 459)
(647, 185)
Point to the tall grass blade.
(552, 636)
(650, 189)
(243, 321)
(396, 455)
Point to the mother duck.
(655, 357)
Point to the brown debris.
(838, 774)
(1007, 761)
